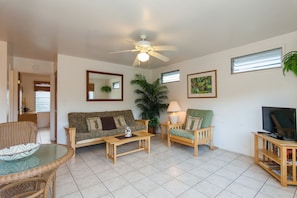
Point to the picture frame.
(202, 85)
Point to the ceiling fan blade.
(159, 56)
(136, 62)
(132, 50)
(164, 48)
(131, 42)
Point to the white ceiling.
(41, 29)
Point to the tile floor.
(166, 172)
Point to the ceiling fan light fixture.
(143, 56)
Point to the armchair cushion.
(205, 114)
(193, 135)
(182, 133)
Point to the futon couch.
(89, 128)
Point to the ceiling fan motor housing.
(143, 45)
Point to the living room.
(237, 106)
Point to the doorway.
(34, 98)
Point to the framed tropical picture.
(202, 85)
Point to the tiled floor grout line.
(74, 180)
(225, 189)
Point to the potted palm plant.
(290, 62)
(151, 101)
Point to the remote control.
(263, 132)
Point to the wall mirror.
(102, 86)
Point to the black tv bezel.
(267, 111)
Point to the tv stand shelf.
(277, 157)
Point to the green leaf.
(290, 62)
(106, 89)
(151, 98)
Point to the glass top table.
(45, 159)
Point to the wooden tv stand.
(277, 157)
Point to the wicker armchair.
(202, 134)
(30, 188)
(14, 133)
(23, 132)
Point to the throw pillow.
(189, 123)
(119, 121)
(108, 123)
(193, 123)
(197, 123)
(94, 123)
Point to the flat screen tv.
(280, 122)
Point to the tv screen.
(280, 121)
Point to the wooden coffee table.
(112, 142)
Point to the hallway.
(43, 136)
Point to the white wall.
(11, 80)
(237, 109)
(71, 89)
(3, 82)
(32, 66)
(43, 119)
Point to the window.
(168, 77)
(42, 101)
(116, 85)
(42, 96)
(258, 61)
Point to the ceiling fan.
(146, 50)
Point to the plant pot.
(152, 130)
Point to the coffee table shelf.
(112, 142)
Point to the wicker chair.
(23, 132)
(31, 187)
(14, 133)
